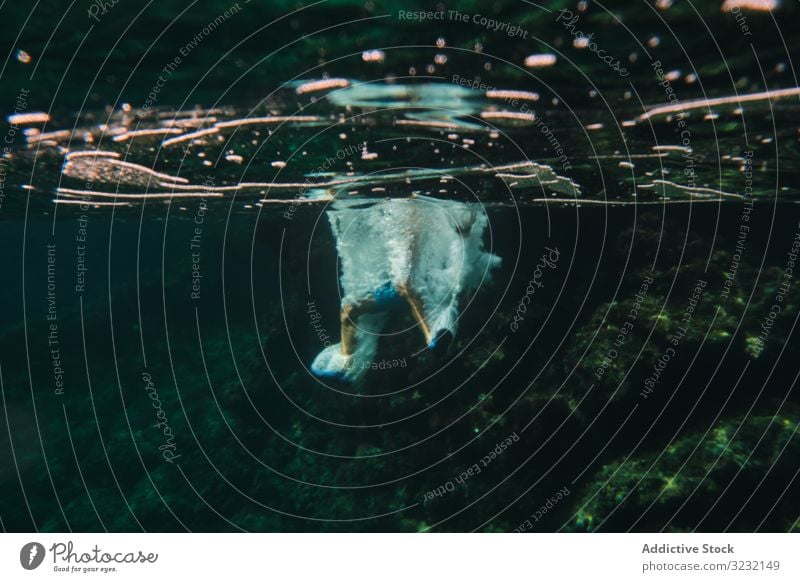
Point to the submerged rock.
(738, 476)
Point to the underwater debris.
(420, 254)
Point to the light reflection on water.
(439, 140)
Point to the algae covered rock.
(737, 476)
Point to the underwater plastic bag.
(424, 250)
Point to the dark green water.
(164, 300)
